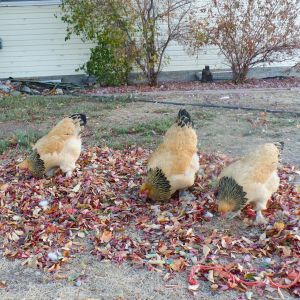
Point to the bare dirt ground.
(232, 132)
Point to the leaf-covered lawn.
(45, 222)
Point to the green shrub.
(109, 62)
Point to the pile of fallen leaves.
(47, 221)
(289, 82)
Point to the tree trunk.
(152, 59)
(153, 78)
(239, 74)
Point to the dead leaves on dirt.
(45, 222)
(196, 85)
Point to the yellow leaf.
(178, 264)
(162, 219)
(279, 226)
(106, 236)
(4, 187)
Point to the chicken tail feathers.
(80, 117)
(159, 179)
(184, 119)
(231, 196)
(37, 166)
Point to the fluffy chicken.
(60, 148)
(252, 179)
(174, 164)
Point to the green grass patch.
(4, 145)
(33, 108)
(20, 140)
(161, 111)
(203, 115)
(155, 127)
(283, 121)
(27, 138)
(124, 141)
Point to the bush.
(109, 62)
(101, 22)
(127, 33)
(249, 32)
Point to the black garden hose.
(274, 111)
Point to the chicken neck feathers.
(174, 155)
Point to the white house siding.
(180, 60)
(34, 43)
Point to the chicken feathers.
(60, 148)
(174, 164)
(252, 179)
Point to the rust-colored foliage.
(45, 222)
(248, 33)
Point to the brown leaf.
(106, 236)
(4, 187)
(178, 264)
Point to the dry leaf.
(280, 294)
(194, 287)
(247, 240)
(81, 234)
(206, 251)
(76, 188)
(2, 284)
(210, 276)
(286, 250)
(106, 236)
(178, 264)
(279, 226)
(110, 204)
(223, 243)
(4, 187)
